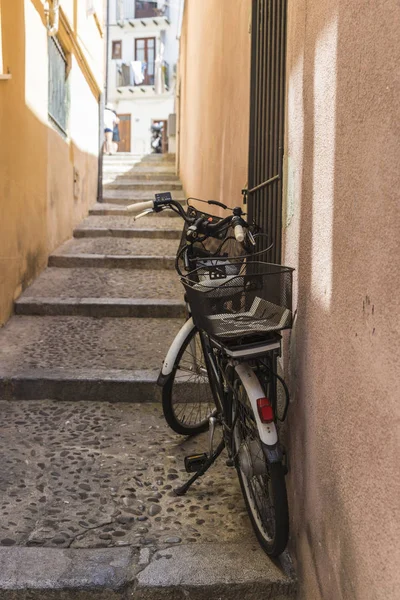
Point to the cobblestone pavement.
(96, 475)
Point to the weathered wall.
(38, 207)
(214, 78)
(342, 235)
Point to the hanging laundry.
(137, 69)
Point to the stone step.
(200, 571)
(137, 184)
(110, 209)
(132, 195)
(97, 261)
(115, 253)
(101, 307)
(152, 223)
(136, 175)
(84, 358)
(123, 232)
(97, 509)
(123, 201)
(162, 158)
(103, 293)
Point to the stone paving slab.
(237, 571)
(87, 503)
(82, 342)
(115, 223)
(87, 475)
(105, 283)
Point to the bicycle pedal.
(195, 462)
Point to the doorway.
(124, 126)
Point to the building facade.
(340, 230)
(142, 56)
(50, 88)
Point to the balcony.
(141, 76)
(129, 10)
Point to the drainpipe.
(52, 16)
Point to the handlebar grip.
(239, 233)
(139, 206)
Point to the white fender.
(267, 431)
(172, 353)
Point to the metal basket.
(231, 298)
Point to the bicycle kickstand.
(181, 491)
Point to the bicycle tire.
(172, 402)
(271, 486)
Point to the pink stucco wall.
(214, 77)
(342, 235)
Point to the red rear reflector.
(265, 410)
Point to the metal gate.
(267, 114)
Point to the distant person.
(115, 138)
(110, 121)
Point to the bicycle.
(221, 368)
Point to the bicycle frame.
(221, 383)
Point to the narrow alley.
(94, 328)
(211, 435)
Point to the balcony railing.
(140, 9)
(128, 76)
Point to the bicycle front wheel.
(262, 483)
(187, 398)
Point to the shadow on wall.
(342, 488)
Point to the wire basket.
(240, 298)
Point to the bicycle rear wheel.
(262, 483)
(187, 398)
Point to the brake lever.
(251, 238)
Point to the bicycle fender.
(170, 359)
(251, 384)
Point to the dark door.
(267, 114)
(145, 51)
(124, 133)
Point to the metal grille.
(267, 113)
(58, 86)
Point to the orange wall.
(214, 78)
(37, 202)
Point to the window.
(145, 9)
(58, 85)
(145, 51)
(117, 50)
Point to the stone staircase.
(92, 481)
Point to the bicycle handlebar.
(201, 225)
(139, 206)
(239, 233)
